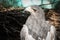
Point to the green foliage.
(11, 3)
(57, 5)
(20, 3)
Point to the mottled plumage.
(37, 27)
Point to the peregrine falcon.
(36, 27)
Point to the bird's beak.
(29, 9)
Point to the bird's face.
(29, 9)
(32, 9)
(36, 11)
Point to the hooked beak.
(29, 9)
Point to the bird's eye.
(34, 10)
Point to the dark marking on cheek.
(34, 10)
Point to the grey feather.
(36, 23)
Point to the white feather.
(26, 34)
(51, 34)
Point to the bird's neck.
(38, 16)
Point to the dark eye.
(35, 10)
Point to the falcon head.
(36, 11)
